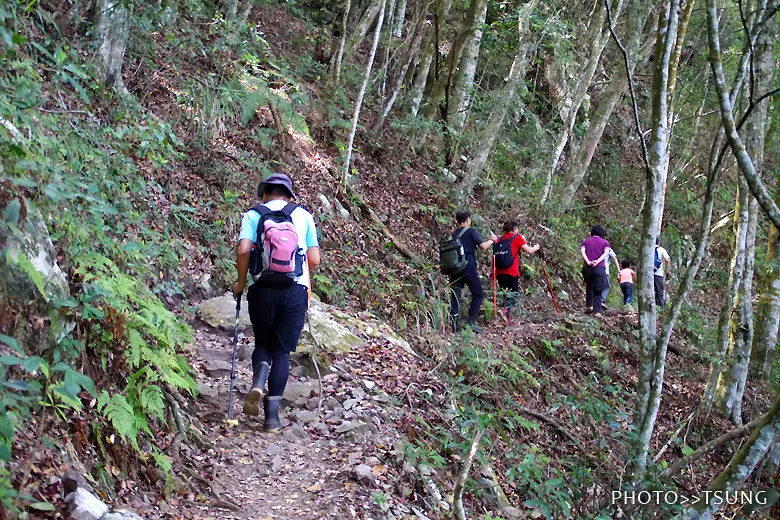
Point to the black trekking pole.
(233, 366)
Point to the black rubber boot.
(272, 422)
(260, 376)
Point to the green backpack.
(452, 258)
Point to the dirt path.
(324, 465)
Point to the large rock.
(220, 312)
(332, 330)
(330, 335)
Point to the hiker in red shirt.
(507, 250)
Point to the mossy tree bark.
(597, 37)
(638, 13)
(500, 108)
(768, 318)
(461, 95)
(652, 360)
(112, 33)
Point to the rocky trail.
(335, 449)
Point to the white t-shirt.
(610, 254)
(304, 225)
(662, 256)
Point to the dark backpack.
(276, 259)
(502, 251)
(657, 259)
(452, 257)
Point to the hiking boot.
(260, 376)
(604, 306)
(272, 423)
(508, 316)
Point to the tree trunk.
(731, 383)
(598, 40)
(730, 303)
(400, 15)
(363, 26)
(741, 465)
(231, 10)
(768, 318)
(444, 82)
(713, 171)
(112, 32)
(652, 360)
(429, 52)
(500, 108)
(639, 13)
(362, 92)
(342, 43)
(459, 101)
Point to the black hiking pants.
(470, 278)
(659, 284)
(277, 317)
(509, 283)
(595, 281)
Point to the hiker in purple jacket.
(594, 252)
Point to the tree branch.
(710, 447)
(460, 514)
(744, 161)
(626, 64)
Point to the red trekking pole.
(549, 285)
(495, 308)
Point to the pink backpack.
(276, 258)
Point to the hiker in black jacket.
(471, 240)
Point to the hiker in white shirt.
(662, 265)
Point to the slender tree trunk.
(112, 32)
(639, 13)
(398, 23)
(342, 43)
(740, 467)
(768, 317)
(386, 62)
(429, 52)
(651, 359)
(500, 108)
(460, 99)
(768, 320)
(729, 306)
(740, 323)
(414, 49)
(362, 92)
(598, 39)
